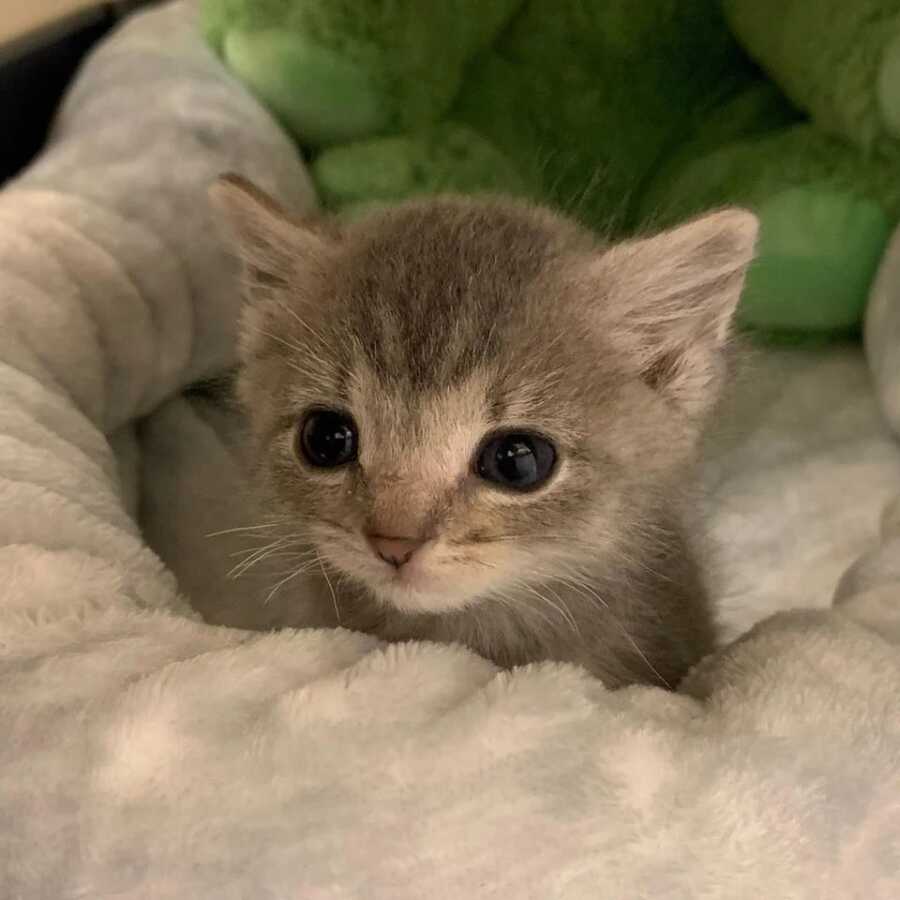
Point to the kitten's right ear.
(273, 247)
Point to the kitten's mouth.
(412, 586)
(439, 576)
(422, 584)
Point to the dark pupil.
(328, 439)
(516, 461)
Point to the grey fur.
(435, 322)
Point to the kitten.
(479, 424)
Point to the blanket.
(149, 752)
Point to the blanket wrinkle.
(34, 405)
(98, 507)
(147, 753)
(125, 239)
(24, 440)
(122, 317)
(85, 262)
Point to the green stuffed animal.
(543, 110)
(837, 60)
(624, 112)
(827, 188)
(340, 70)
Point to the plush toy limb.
(814, 280)
(447, 157)
(758, 110)
(316, 94)
(825, 218)
(837, 59)
(336, 70)
(889, 86)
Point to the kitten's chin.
(409, 599)
(416, 591)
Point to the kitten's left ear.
(672, 298)
(273, 246)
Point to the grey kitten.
(475, 423)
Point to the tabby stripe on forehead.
(378, 339)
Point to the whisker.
(337, 611)
(285, 540)
(259, 527)
(579, 587)
(289, 344)
(520, 609)
(257, 556)
(566, 616)
(316, 335)
(277, 544)
(567, 611)
(284, 581)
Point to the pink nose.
(394, 550)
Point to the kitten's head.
(455, 397)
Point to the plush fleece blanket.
(147, 754)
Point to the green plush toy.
(573, 103)
(624, 112)
(339, 70)
(827, 189)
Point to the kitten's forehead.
(435, 294)
(449, 315)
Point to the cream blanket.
(145, 754)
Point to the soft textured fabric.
(830, 57)
(882, 333)
(145, 754)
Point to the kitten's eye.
(327, 439)
(516, 460)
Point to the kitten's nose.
(394, 550)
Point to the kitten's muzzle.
(396, 551)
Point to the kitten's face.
(454, 400)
